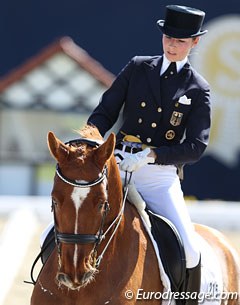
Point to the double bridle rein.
(96, 239)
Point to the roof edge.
(67, 46)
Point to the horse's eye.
(104, 206)
(100, 206)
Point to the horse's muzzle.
(64, 280)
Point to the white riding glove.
(135, 161)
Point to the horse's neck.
(115, 194)
(131, 227)
(126, 238)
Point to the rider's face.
(176, 49)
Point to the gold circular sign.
(217, 56)
(217, 59)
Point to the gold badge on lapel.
(170, 134)
(176, 118)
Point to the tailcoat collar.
(153, 68)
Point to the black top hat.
(182, 22)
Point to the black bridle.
(82, 184)
(96, 239)
(72, 238)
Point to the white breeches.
(160, 187)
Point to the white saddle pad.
(211, 275)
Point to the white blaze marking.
(105, 187)
(78, 196)
(75, 259)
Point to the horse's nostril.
(63, 278)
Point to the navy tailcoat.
(154, 111)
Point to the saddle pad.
(211, 275)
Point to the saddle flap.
(171, 249)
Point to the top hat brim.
(177, 33)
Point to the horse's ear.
(58, 149)
(104, 152)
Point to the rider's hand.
(135, 161)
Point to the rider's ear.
(58, 149)
(104, 152)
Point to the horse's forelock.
(90, 132)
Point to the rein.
(117, 221)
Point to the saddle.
(171, 250)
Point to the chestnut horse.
(103, 253)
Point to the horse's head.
(86, 182)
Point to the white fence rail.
(14, 242)
(217, 214)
